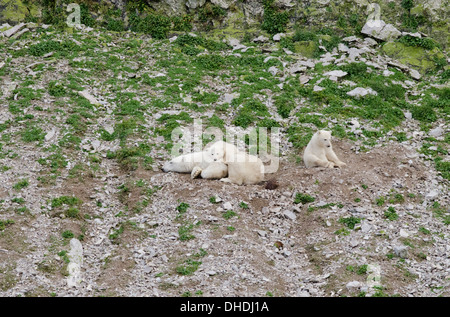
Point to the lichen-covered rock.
(306, 48)
(15, 11)
(194, 4)
(418, 58)
(224, 4)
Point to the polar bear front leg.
(322, 163)
(195, 172)
(215, 170)
(333, 158)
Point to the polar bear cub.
(243, 168)
(319, 151)
(206, 163)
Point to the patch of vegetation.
(229, 214)
(189, 266)
(65, 200)
(274, 19)
(391, 214)
(182, 207)
(185, 231)
(158, 26)
(303, 198)
(21, 184)
(424, 42)
(350, 222)
(5, 223)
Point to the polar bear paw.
(195, 172)
(330, 165)
(341, 164)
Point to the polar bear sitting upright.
(319, 151)
(207, 164)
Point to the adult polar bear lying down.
(218, 161)
(319, 151)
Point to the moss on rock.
(418, 58)
(15, 11)
(306, 48)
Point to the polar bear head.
(323, 138)
(222, 151)
(216, 152)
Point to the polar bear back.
(245, 169)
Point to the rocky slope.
(86, 122)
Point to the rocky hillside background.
(87, 112)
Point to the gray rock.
(353, 286)
(19, 34)
(401, 251)
(378, 29)
(224, 4)
(335, 74)
(75, 256)
(194, 4)
(436, 132)
(273, 70)
(227, 206)
(289, 214)
(431, 195)
(277, 37)
(50, 135)
(10, 32)
(361, 92)
(415, 74)
(261, 39)
(89, 97)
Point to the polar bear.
(243, 168)
(207, 164)
(319, 151)
(218, 161)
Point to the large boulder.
(415, 57)
(15, 11)
(379, 30)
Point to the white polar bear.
(205, 163)
(319, 151)
(243, 168)
(218, 161)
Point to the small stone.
(304, 79)
(273, 70)
(227, 206)
(335, 74)
(277, 37)
(404, 233)
(353, 286)
(318, 88)
(50, 135)
(433, 194)
(289, 214)
(89, 97)
(408, 115)
(415, 74)
(361, 92)
(436, 132)
(261, 39)
(401, 251)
